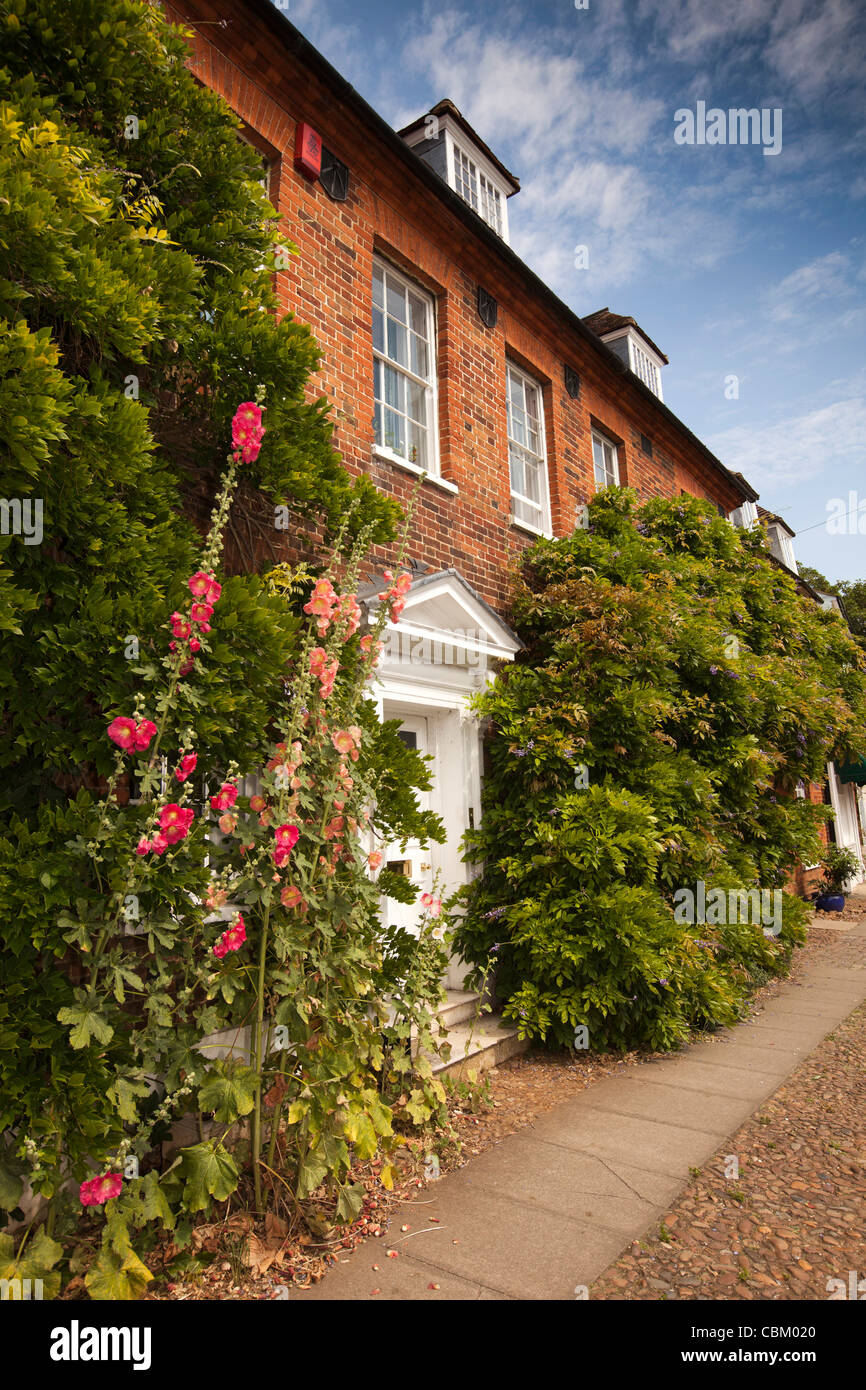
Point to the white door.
(412, 859)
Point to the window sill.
(531, 530)
(388, 457)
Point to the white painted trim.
(388, 457)
(431, 386)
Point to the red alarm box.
(308, 150)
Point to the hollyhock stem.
(258, 1063)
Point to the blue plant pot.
(830, 902)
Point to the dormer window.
(446, 141)
(780, 545)
(624, 336)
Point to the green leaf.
(230, 1091)
(210, 1171)
(114, 1276)
(11, 1187)
(86, 1024)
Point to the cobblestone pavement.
(795, 1216)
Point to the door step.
(478, 1042)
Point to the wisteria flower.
(95, 1191)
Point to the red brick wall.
(390, 210)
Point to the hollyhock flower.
(213, 592)
(187, 765)
(291, 897)
(397, 606)
(367, 643)
(225, 797)
(200, 614)
(318, 658)
(287, 836)
(227, 823)
(185, 668)
(374, 859)
(175, 821)
(257, 803)
(232, 938)
(199, 583)
(334, 827)
(179, 626)
(343, 741)
(122, 731)
(159, 843)
(248, 431)
(194, 645)
(144, 846)
(95, 1191)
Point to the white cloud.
(823, 442)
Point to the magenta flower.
(248, 431)
(122, 731)
(232, 939)
(187, 765)
(144, 732)
(225, 797)
(95, 1191)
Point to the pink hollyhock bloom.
(266, 816)
(318, 658)
(343, 741)
(172, 646)
(144, 846)
(194, 645)
(198, 584)
(287, 836)
(397, 606)
(179, 626)
(334, 827)
(257, 803)
(248, 431)
(374, 859)
(426, 899)
(95, 1191)
(232, 938)
(388, 576)
(227, 823)
(144, 732)
(215, 897)
(175, 821)
(187, 765)
(213, 591)
(122, 731)
(185, 668)
(200, 614)
(159, 843)
(291, 897)
(225, 797)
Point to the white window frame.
(528, 383)
(489, 192)
(783, 541)
(429, 385)
(605, 443)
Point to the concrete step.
(459, 1006)
(476, 1047)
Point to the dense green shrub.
(674, 689)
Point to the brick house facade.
(404, 233)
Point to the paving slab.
(657, 1146)
(653, 1099)
(574, 1185)
(696, 1074)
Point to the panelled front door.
(412, 859)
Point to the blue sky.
(735, 263)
